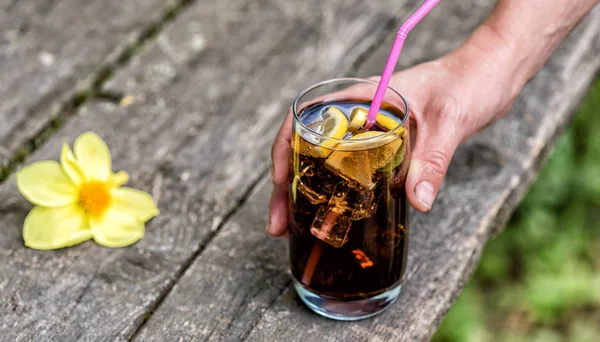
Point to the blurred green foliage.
(540, 279)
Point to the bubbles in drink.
(307, 186)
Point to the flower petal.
(45, 183)
(116, 229)
(134, 202)
(118, 179)
(69, 164)
(52, 228)
(93, 156)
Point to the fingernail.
(425, 193)
(268, 227)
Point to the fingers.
(436, 141)
(281, 152)
(280, 156)
(278, 218)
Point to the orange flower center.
(94, 197)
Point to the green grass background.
(540, 279)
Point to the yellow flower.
(81, 198)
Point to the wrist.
(520, 36)
(488, 73)
(498, 57)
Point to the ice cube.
(317, 127)
(314, 189)
(331, 226)
(311, 195)
(332, 223)
(347, 203)
(359, 202)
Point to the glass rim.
(403, 120)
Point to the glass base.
(347, 310)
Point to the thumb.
(434, 147)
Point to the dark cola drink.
(348, 218)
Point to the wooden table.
(210, 82)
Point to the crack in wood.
(202, 247)
(84, 291)
(54, 124)
(93, 92)
(266, 309)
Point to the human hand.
(449, 99)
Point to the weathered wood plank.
(206, 108)
(231, 284)
(446, 244)
(191, 310)
(49, 50)
(232, 290)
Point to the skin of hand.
(454, 97)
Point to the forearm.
(518, 38)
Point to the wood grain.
(208, 97)
(488, 177)
(229, 286)
(220, 297)
(50, 50)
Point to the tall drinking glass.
(348, 215)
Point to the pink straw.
(393, 58)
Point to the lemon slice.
(359, 142)
(358, 160)
(353, 166)
(358, 118)
(334, 125)
(389, 123)
(381, 151)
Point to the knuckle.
(436, 162)
(452, 111)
